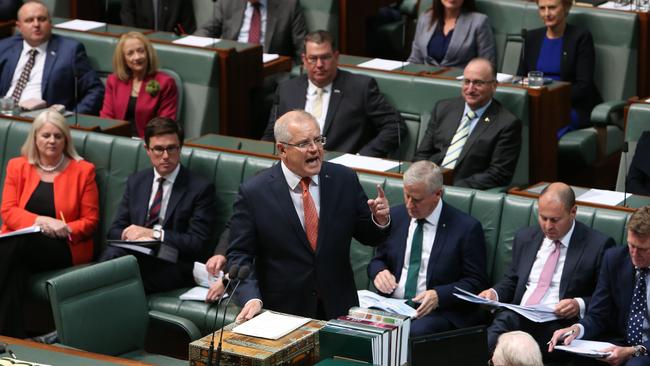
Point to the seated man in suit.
(169, 15)
(168, 203)
(350, 110)
(445, 249)
(554, 264)
(36, 64)
(293, 223)
(278, 25)
(619, 306)
(473, 134)
(638, 175)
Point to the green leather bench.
(638, 121)
(197, 69)
(415, 96)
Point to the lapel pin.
(486, 120)
(52, 53)
(337, 91)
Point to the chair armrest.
(608, 113)
(188, 326)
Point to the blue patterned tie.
(638, 310)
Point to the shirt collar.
(293, 179)
(42, 48)
(171, 177)
(479, 112)
(434, 216)
(262, 2)
(566, 239)
(311, 88)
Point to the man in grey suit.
(350, 110)
(473, 134)
(554, 264)
(282, 25)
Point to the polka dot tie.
(638, 310)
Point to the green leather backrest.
(638, 120)
(322, 14)
(58, 8)
(615, 35)
(98, 48)
(414, 97)
(101, 308)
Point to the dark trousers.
(157, 274)
(20, 256)
(429, 324)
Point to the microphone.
(625, 149)
(399, 145)
(106, 16)
(243, 273)
(232, 276)
(524, 33)
(276, 102)
(214, 18)
(76, 94)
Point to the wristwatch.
(157, 232)
(639, 350)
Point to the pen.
(563, 336)
(63, 219)
(12, 354)
(180, 28)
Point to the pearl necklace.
(54, 168)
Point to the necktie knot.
(557, 244)
(304, 183)
(33, 52)
(471, 115)
(421, 222)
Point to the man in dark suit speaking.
(293, 224)
(433, 247)
(36, 64)
(350, 110)
(167, 203)
(554, 264)
(473, 134)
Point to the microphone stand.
(625, 150)
(232, 275)
(106, 16)
(243, 273)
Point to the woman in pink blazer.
(136, 91)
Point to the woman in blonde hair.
(50, 187)
(136, 91)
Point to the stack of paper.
(270, 325)
(369, 299)
(196, 41)
(80, 25)
(587, 348)
(365, 162)
(383, 64)
(537, 313)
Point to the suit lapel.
(142, 201)
(527, 259)
(237, 13)
(461, 31)
(482, 125)
(335, 100)
(280, 189)
(574, 253)
(8, 71)
(451, 122)
(50, 59)
(178, 191)
(327, 197)
(271, 22)
(402, 231)
(626, 289)
(439, 242)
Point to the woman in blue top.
(452, 33)
(563, 52)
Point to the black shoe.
(49, 338)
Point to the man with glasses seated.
(293, 223)
(473, 134)
(168, 203)
(349, 108)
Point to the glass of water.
(535, 79)
(7, 106)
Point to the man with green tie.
(433, 247)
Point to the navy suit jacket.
(458, 259)
(490, 154)
(359, 119)
(64, 58)
(581, 265)
(190, 216)
(266, 234)
(610, 305)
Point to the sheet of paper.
(27, 230)
(603, 197)
(365, 162)
(501, 77)
(369, 299)
(587, 348)
(202, 277)
(80, 25)
(268, 57)
(537, 313)
(270, 325)
(197, 41)
(614, 5)
(197, 293)
(383, 64)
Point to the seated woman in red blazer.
(50, 187)
(136, 91)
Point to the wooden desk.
(86, 122)
(632, 203)
(53, 355)
(282, 64)
(549, 109)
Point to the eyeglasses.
(312, 60)
(317, 142)
(478, 83)
(160, 150)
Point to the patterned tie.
(411, 286)
(255, 32)
(547, 275)
(317, 108)
(638, 310)
(311, 215)
(24, 76)
(458, 141)
(154, 210)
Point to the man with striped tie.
(168, 203)
(473, 134)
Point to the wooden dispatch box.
(297, 348)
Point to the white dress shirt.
(311, 99)
(34, 87)
(167, 192)
(295, 191)
(246, 24)
(429, 236)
